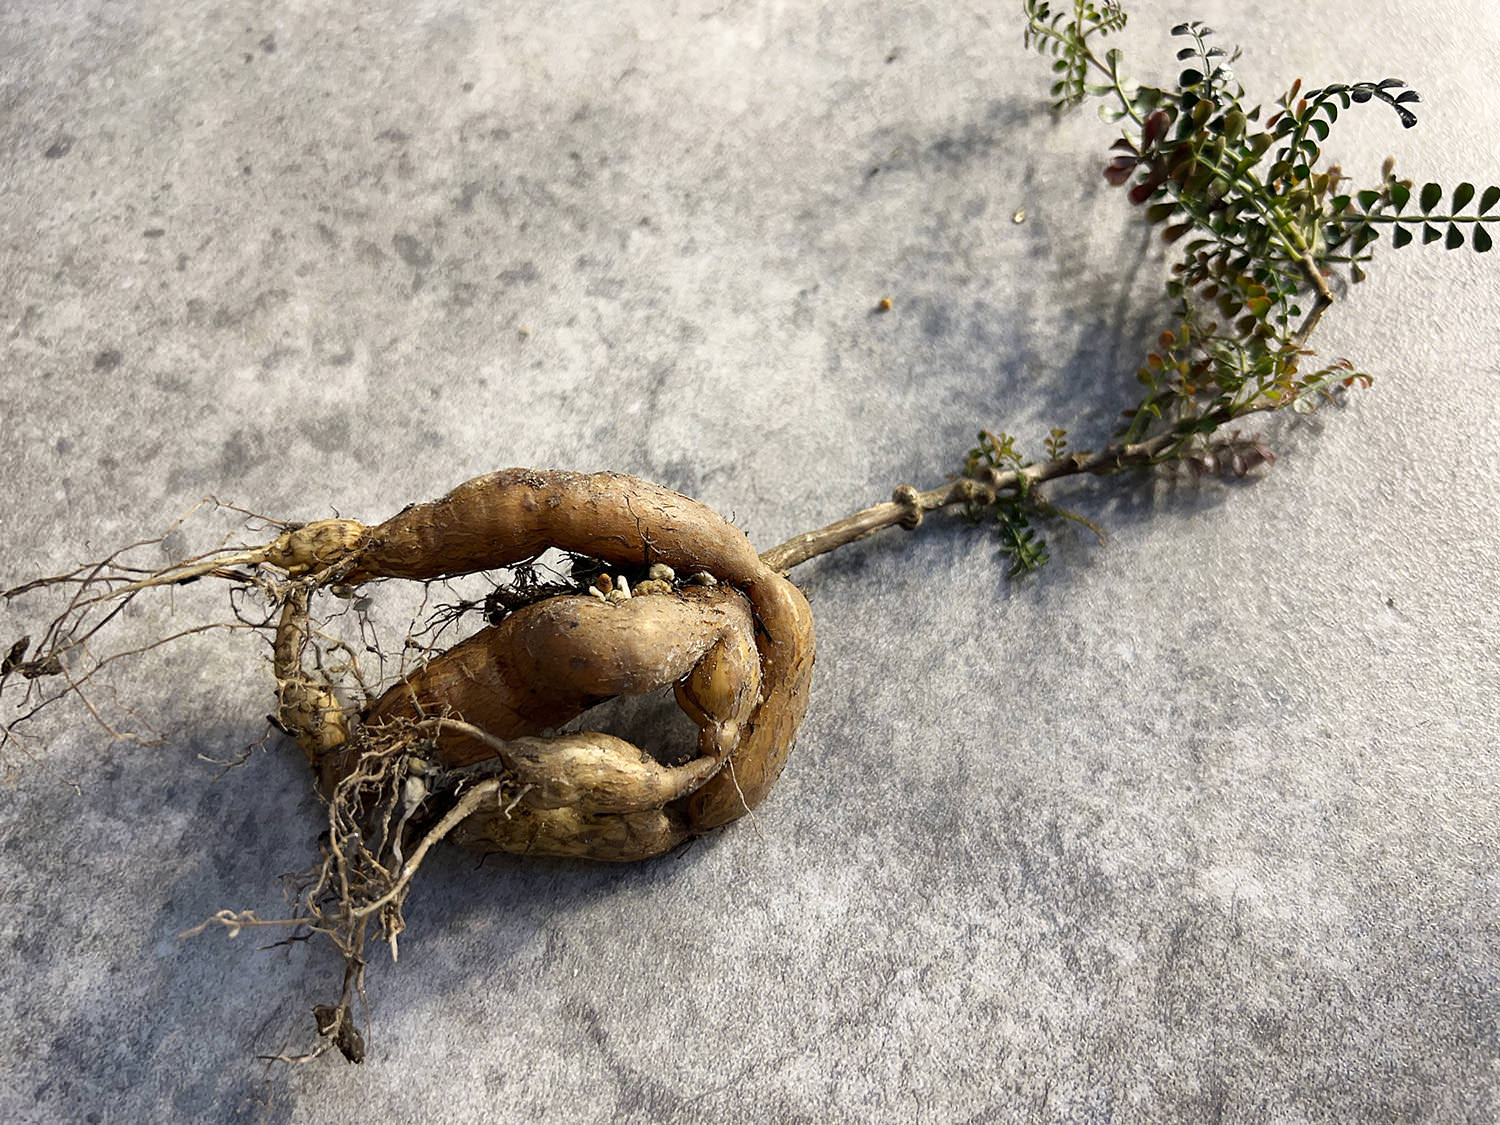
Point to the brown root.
(464, 747)
(548, 662)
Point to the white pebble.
(661, 572)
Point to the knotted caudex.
(737, 646)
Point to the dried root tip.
(307, 711)
(315, 546)
(907, 495)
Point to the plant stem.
(907, 506)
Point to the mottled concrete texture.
(1199, 825)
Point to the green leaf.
(1482, 241)
(1431, 194)
(1455, 237)
(1400, 196)
(1400, 236)
(1490, 197)
(1367, 199)
(1430, 233)
(1461, 196)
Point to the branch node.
(908, 496)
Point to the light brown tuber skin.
(740, 654)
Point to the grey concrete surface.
(1196, 826)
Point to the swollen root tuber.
(739, 652)
(465, 746)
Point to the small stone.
(661, 572)
(703, 578)
(615, 597)
(652, 586)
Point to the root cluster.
(661, 592)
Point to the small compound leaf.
(1431, 194)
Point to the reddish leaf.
(1119, 169)
(1154, 127)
